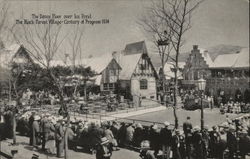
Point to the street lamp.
(201, 87)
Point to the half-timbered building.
(138, 76)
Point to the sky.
(214, 22)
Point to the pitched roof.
(98, 64)
(7, 55)
(243, 59)
(224, 61)
(135, 48)
(223, 49)
(237, 60)
(128, 64)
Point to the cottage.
(8, 55)
(107, 72)
(138, 76)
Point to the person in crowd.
(244, 143)
(138, 135)
(8, 118)
(31, 120)
(222, 145)
(155, 139)
(197, 142)
(109, 135)
(36, 132)
(59, 137)
(115, 130)
(187, 128)
(71, 138)
(231, 142)
(44, 130)
(176, 145)
(103, 149)
(50, 136)
(166, 139)
(214, 141)
(145, 152)
(205, 141)
(95, 134)
(122, 134)
(130, 134)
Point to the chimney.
(195, 47)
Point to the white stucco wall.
(135, 86)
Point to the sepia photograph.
(124, 79)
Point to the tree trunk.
(14, 126)
(175, 98)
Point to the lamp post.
(201, 87)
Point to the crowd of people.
(235, 107)
(230, 139)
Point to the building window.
(143, 84)
(111, 86)
(105, 86)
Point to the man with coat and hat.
(231, 142)
(166, 138)
(214, 141)
(176, 145)
(187, 128)
(59, 137)
(197, 142)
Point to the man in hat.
(187, 128)
(197, 141)
(31, 120)
(35, 131)
(176, 145)
(59, 137)
(244, 143)
(166, 138)
(104, 149)
(145, 151)
(155, 139)
(205, 141)
(231, 142)
(214, 141)
(130, 134)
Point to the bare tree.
(160, 34)
(75, 42)
(176, 16)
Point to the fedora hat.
(145, 144)
(166, 123)
(37, 117)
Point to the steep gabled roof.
(128, 64)
(135, 48)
